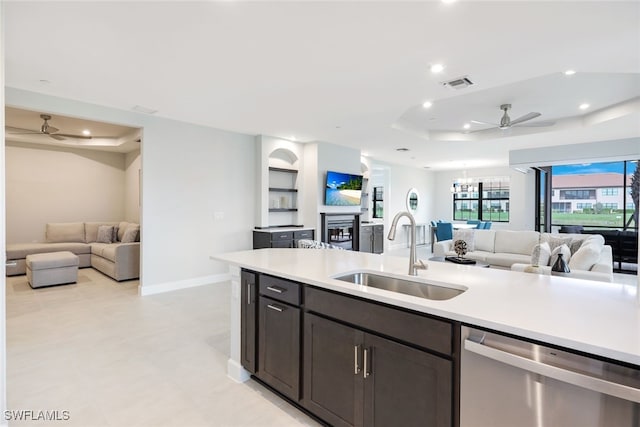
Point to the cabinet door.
(279, 346)
(333, 371)
(378, 239)
(404, 386)
(366, 239)
(248, 312)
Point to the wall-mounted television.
(342, 189)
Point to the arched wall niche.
(283, 158)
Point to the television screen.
(342, 189)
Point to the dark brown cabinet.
(279, 335)
(353, 378)
(351, 361)
(248, 313)
(273, 238)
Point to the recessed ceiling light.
(437, 68)
(402, 149)
(427, 104)
(569, 72)
(584, 106)
(466, 126)
(86, 132)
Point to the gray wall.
(56, 184)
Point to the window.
(609, 205)
(489, 203)
(378, 203)
(609, 191)
(577, 194)
(584, 205)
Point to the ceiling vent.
(459, 83)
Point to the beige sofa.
(118, 260)
(513, 249)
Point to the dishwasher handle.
(581, 380)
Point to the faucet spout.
(413, 265)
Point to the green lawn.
(586, 219)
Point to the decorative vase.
(560, 266)
(460, 248)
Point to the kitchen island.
(595, 318)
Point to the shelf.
(283, 170)
(282, 210)
(283, 190)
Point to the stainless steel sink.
(400, 285)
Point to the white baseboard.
(236, 372)
(182, 284)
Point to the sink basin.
(401, 285)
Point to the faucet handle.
(420, 265)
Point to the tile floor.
(112, 358)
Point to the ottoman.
(52, 268)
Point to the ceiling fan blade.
(536, 124)
(56, 136)
(524, 118)
(481, 130)
(18, 131)
(478, 122)
(49, 130)
(71, 136)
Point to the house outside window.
(492, 196)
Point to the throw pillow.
(541, 254)
(122, 227)
(555, 241)
(130, 234)
(575, 245)
(468, 236)
(562, 249)
(585, 257)
(105, 234)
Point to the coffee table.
(480, 264)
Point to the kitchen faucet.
(413, 265)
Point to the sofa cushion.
(21, 250)
(91, 230)
(468, 236)
(62, 232)
(585, 257)
(122, 227)
(105, 234)
(555, 240)
(505, 259)
(541, 254)
(131, 234)
(516, 242)
(485, 240)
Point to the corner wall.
(198, 191)
(133, 165)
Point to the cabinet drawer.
(412, 328)
(281, 235)
(303, 234)
(280, 289)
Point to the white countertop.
(282, 229)
(594, 317)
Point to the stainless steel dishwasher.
(507, 382)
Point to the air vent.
(459, 83)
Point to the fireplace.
(341, 230)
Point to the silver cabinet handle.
(275, 307)
(276, 289)
(571, 377)
(356, 366)
(366, 372)
(248, 293)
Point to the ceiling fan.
(47, 129)
(506, 122)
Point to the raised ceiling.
(104, 136)
(349, 73)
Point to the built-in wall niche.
(283, 188)
(364, 201)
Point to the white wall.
(198, 191)
(58, 184)
(133, 165)
(3, 322)
(397, 181)
(521, 196)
